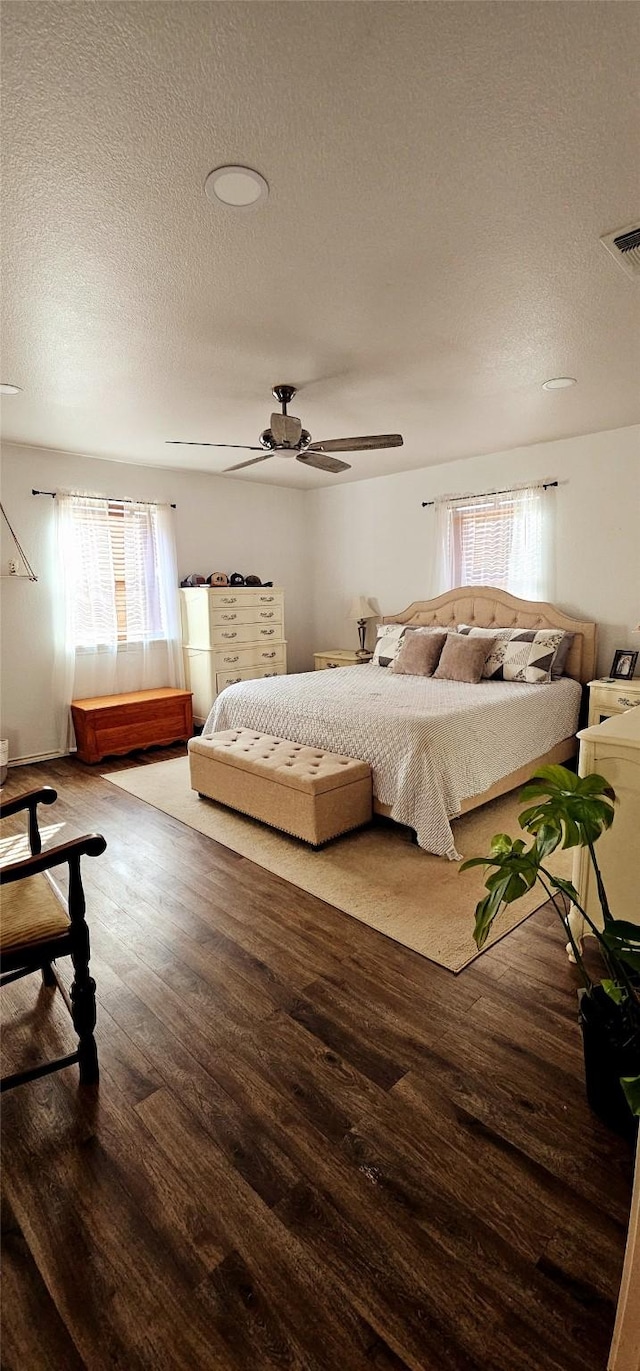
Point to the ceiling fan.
(287, 438)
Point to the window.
(134, 554)
(116, 609)
(497, 540)
(114, 560)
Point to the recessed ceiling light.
(7, 389)
(559, 383)
(237, 186)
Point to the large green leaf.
(631, 1087)
(571, 809)
(567, 887)
(567, 810)
(550, 779)
(613, 990)
(622, 939)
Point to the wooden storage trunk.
(109, 725)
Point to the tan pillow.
(463, 658)
(419, 654)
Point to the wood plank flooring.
(310, 1149)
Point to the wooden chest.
(109, 725)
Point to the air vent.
(624, 246)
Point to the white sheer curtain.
(503, 540)
(153, 654)
(117, 613)
(86, 629)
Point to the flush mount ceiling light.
(6, 388)
(239, 187)
(559, 383)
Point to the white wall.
(324, 546)
(373, 538)
(221, 525)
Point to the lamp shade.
(360, 608)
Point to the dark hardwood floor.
(310, 1149)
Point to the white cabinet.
(612, 749)
(230, 634)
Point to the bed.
(436, 748)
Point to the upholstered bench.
(313, 794)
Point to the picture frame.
(624, 664)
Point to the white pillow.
(519, 654)
(389, 639)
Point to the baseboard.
(39, 757)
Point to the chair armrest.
(91, 845)
(45, 796)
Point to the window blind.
(115, 573)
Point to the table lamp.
(361, 609)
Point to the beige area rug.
(377, 875)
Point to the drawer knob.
(229, 635)
(622, 700)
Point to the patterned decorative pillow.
(389, 639)
(392, 635)
(519, 654)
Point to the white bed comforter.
(430, 743)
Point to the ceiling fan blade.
(286, 429)
(193, 442)
(251, 463)
(373, 440)
(322, 461)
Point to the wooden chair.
(38, 926)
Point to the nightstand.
(607, 697)
(341, 657)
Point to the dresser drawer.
(225, 599)
(205, 610)
(224, 679)
(252, 614)
(224, 635)
(259, 655)
(604, 701)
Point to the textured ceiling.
(440, 175)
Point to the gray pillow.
(419, 654)
(463, 658)
(560, 660)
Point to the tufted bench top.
(310, 769)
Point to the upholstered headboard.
(484, 606)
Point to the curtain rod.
(112, 500)
(544, 485)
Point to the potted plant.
(573, 811)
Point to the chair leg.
(48, 977)
(83, 1008)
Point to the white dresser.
(230, 634)
(612, 749)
